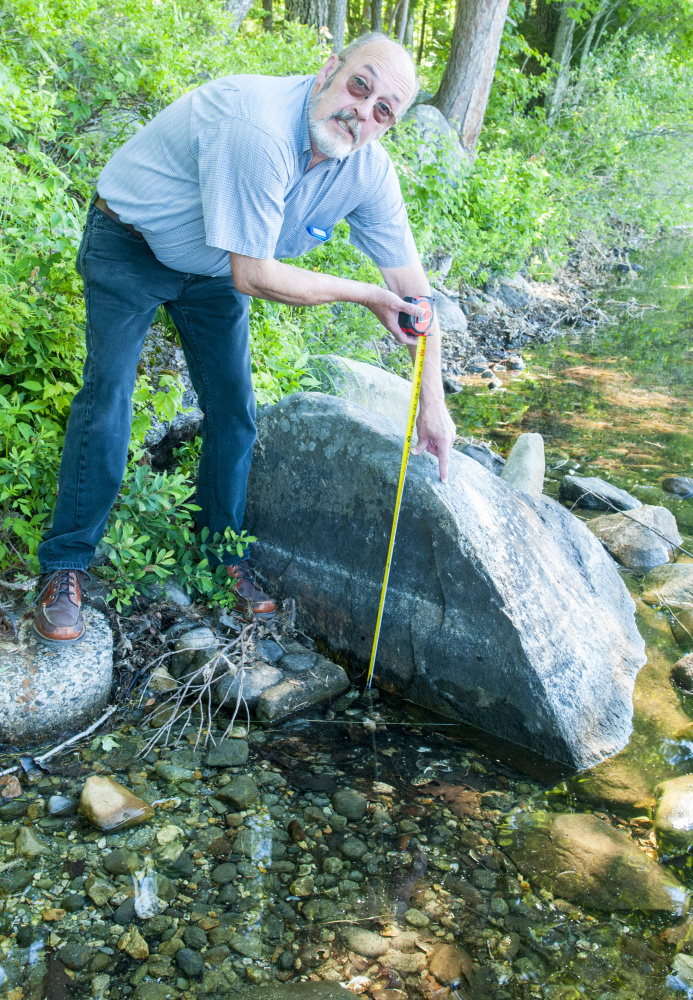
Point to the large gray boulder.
(439, 143)
(502, 610)
(45, 691)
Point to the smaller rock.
(189, 962)
(682, 672)
(481, 453)
(628, 538)
(99, 890)
(416, 918)
(450, 316)
(683, 967)
(133, 944)
(477, 364)
(14, 880)
(161, 680)
(592, 493)
(155, 991)
(367, 943)
(173, 773)
(125, 913)
(269, 650)
(515, 363)
(353, 848)
(349, 803)
(682, 627)
(303, 886)
(74, 956)
(674, 816)
(526, 464)
(670, 585)
(495, 383)
(61, 805)
(296, 662)
(224, 873)
(241, 791)
(681, 486)
(28, 845)
(193, 651)
(249, 682)
(74, 903)
(53, 913)
(121, 862)
(228, 753)
(325, 680)
(515, 293)
(332, 865)
(248, 944)
(110, 806)
(195, 937)
(10, 787)
(99, 985)
(449, 964)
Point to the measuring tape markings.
(426, 322)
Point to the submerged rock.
(670, 585)
(674, 816)
(592, 493)
(526, 465)
(630, 540)
(110, 806)
(681, 486)
(502, 611)
(682, 672)
(583, 859)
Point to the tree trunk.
(337, 12)
(402, 20)
(268, 19)
(423, 35)
(463, 93)
(561, 56)
(376, 15)
(238, 10)
(313, 12)
(409, 30)
(586, 44)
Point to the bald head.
(378, 48)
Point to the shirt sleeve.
(243, 174)
(379, 225)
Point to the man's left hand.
(436, 432)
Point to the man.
(194, 213)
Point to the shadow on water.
(406, 881)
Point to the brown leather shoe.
(58, 619)
(248, 592)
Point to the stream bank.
(367, 842)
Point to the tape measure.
(421, 327)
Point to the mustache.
(350, 120)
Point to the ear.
(328, 68)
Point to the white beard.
(326, 140)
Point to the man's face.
(357, 102)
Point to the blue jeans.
(124, 284)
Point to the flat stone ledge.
(47, 692)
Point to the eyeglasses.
(358, 88)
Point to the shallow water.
(428, 864)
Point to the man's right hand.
(386, 307)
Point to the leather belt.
(102, 205)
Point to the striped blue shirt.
(224, 168)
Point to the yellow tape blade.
(411, 418)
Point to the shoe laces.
(64, 584)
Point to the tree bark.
(268, 19)
(336, 22)
(463, 93)
(423, 34)
(402, 19)
(314, 12)
(409, 30)
(238, 10)
(376, 15)
(561, 56)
